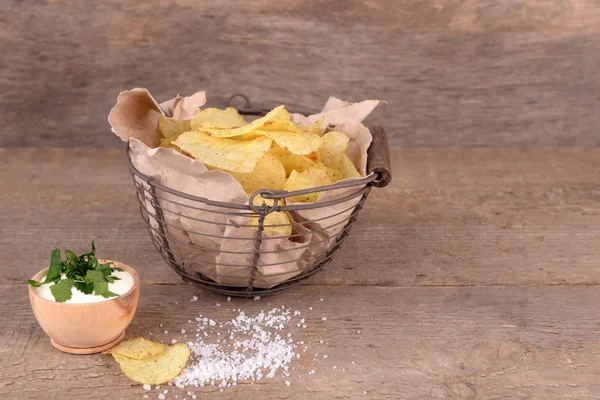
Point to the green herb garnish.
(84, 272)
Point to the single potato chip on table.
(158, 369)
(138, 348)
(223, 153)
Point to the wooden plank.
(450, 217)
(414, 343)
(454, 72)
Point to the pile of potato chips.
(148, 362)
(268, 153)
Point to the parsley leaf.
(62, 290)
(55, 266)
(87, 288)
(100, 287)
(93, 276)
(34, 283)
(84, 272)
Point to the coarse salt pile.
(251, 348)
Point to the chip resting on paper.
(171, 129)
(311, 178)
(333, 154)
(224, 153)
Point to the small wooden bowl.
(90, 327)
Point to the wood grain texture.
(449, 217)
(454, 72)
(414, 343)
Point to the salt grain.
(255, 351)
(324, 319)
(287, 383)
(229, 299)
(256, 298)
(166, 332)
(183, 331)
(161, 396)
(218, 304)
(147, 387)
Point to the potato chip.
(281, 126)
(316, 127)
(296, 143)
(274, 218)
(268, 174)
(281, 114)
(158, 369)
(215, 118)
(223, 153)
(291, 161)
(166, 143)
(311, 178)
(333, 154)
(171, 129)
(347, 169)
(274, 114)
(334, 174)
(138, 348)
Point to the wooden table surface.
(473, 275)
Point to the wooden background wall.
(454, 72)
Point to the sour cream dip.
(120, 287)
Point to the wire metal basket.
(252, 264)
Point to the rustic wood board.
(454, 72)
(450, 217)
(414, 343)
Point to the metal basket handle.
(378, 160)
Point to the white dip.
(122, 286)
